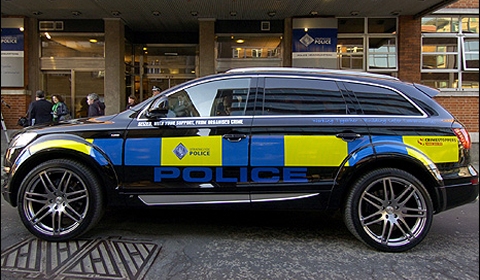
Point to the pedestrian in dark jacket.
(60, 110)
(40, 110)
(95, 106)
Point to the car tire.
(389, 209)
(60, 200)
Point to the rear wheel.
(60, 200)
(389, 209)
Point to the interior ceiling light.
(354, 13)
(116, 13)
(314, 13)
(93, 41)
(194, 13)
(76, 13)
(37, 13)
(48, 35)
(156, 13)
(272, 13)
(233, 13)
(240, 41)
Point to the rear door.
(302, 134)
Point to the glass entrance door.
(86, 82)
(59, 83)
(74, 86)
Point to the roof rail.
(310, 70)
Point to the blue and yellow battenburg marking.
(71, 145)
(272, 158)
(186, 151)
(288, 150)
(437, 149)
(265, 150)
(297, 150)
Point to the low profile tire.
(60, 200)
(389, 210)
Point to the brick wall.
(18, 107)
(409, 49)
(464, 4)
(464, 108)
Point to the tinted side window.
(376, 100)
(216, 98)
(230, 102)
(295, 96)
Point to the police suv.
(379, 150)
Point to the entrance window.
(72, 45)
(59, 83)
(248, 50)
(87, 82)
(167, 65)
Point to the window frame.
(366, 54)
(455, 80)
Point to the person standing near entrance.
(156, 90)
(59, 110)
(132, 101)
(40, 110)
(95, 106)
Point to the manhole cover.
(110, 258)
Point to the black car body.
(380, 150)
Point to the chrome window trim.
(289, 75)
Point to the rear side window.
(375, 100)
(295, 96)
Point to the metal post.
(4, 126)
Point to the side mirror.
(157, 114)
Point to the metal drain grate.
(110, 258)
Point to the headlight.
(22, 140)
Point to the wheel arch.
(425, 172)
(51, 148)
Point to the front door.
(201, 147)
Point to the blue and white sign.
(314, 42)
(12, 57)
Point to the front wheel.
(60, 200)
(389, 210)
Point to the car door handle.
(348, 136)
(234, 137)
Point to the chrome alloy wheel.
(393, 211)
(56, 202)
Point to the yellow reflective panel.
(438, 148)
(65, 144)
(314, 151)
